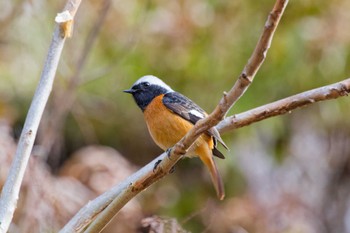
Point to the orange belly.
(167, 128)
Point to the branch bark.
(280, 107)
(10, 191)
(52, 140)
(147, 175)
(285, 105)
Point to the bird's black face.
(145, 92)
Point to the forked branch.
(285, 105)
(147, 176)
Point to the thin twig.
(285, 105)
(10, 192)
(280, 107)
(145, 177)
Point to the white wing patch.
(196, 113)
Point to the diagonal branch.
(147, 176)
(285, 105)
(276, 108)
(10, 191)
(60, 109)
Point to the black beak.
(130, 91)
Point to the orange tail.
(208, 160)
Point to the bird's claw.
(168, 152)
(156, 165)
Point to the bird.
(169, 115)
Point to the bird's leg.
(172, 169)
(156, 165)
(168, 151)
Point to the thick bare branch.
(10, 191)
(89, 212)
(60, 109)
(285, 105)
(279, 107)
(150, 176)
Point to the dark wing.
(191, 112)
(184, 107)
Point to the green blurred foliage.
(197, 47)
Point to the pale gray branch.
(285, 105)
(333, 91)
(10, 191)
(150, 176)
(93, 208)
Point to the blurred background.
(285, 174)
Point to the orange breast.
(167, 128)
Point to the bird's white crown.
(153, 80)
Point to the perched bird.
(169, 115)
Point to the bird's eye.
(146, 84)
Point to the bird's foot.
(168, 152)
(156, 165)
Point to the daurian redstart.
(169, 115)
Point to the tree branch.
(10, 191)
(280, 107)
(285, 105)
(53, 128)
(89, 212)
(147, 175)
